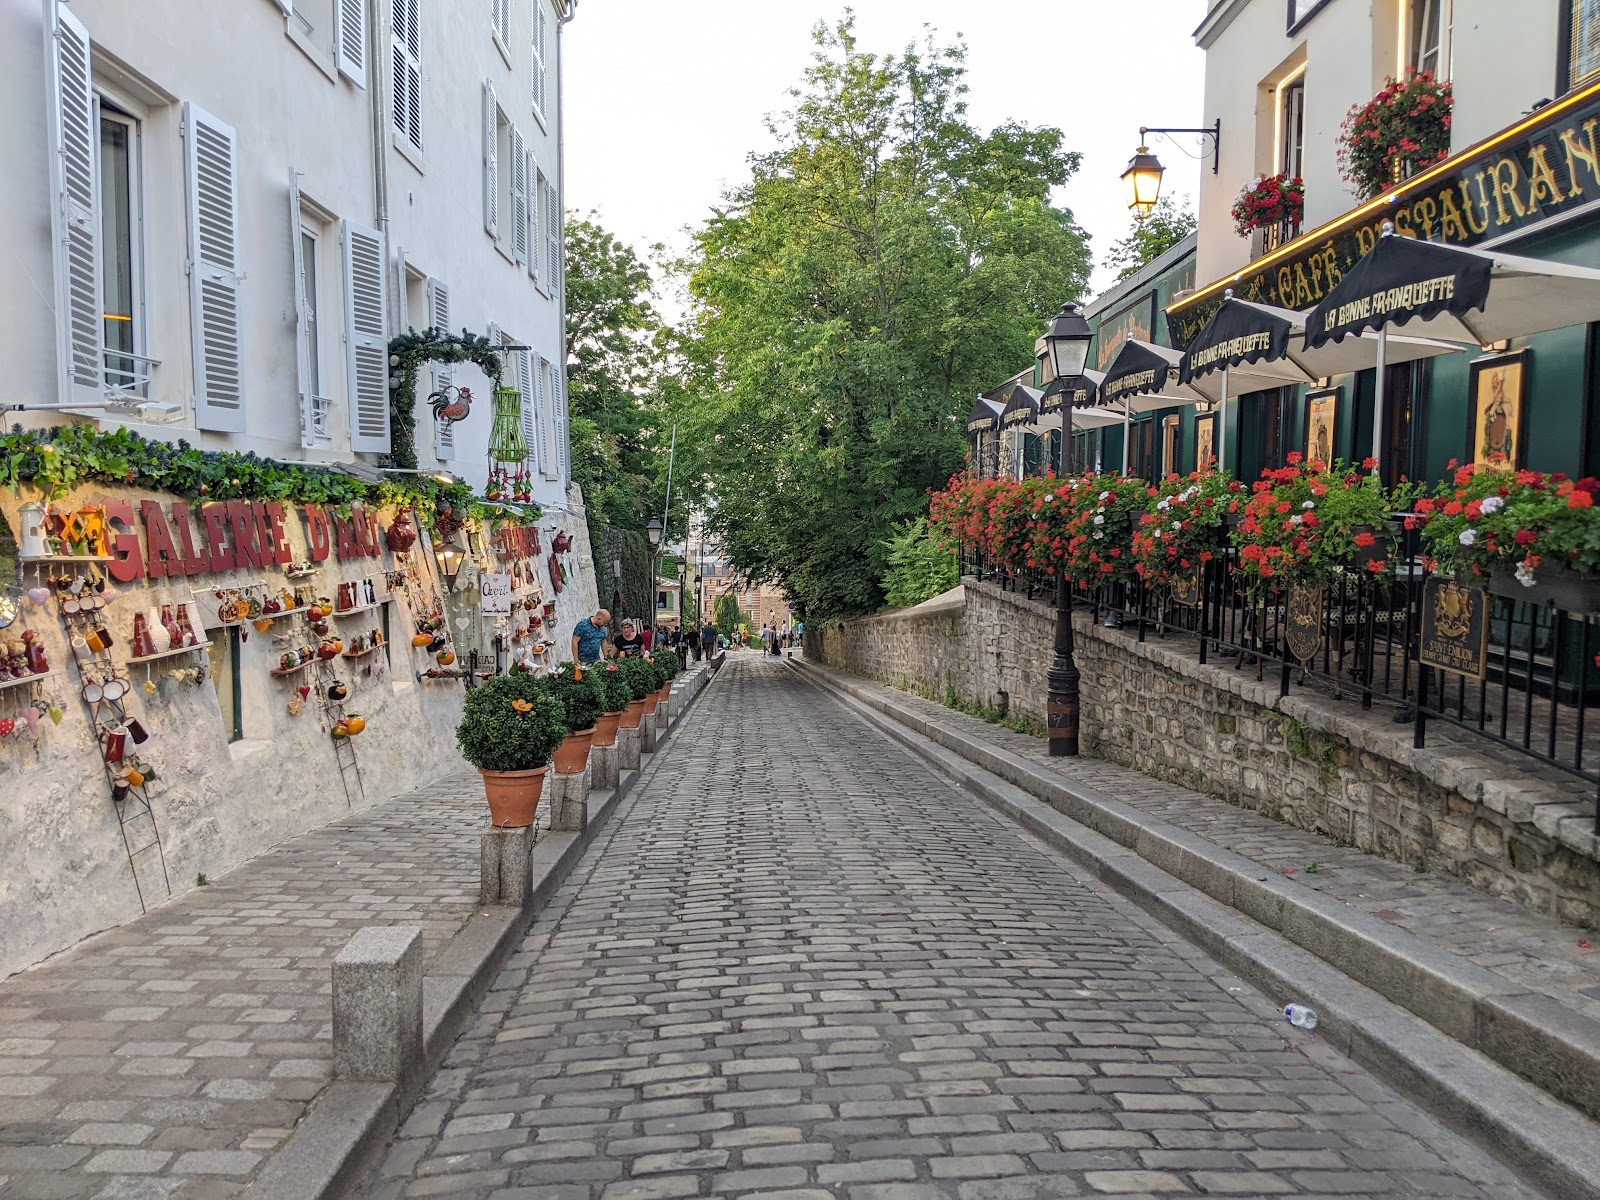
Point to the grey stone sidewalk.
(1534, 951)
(171, 1056)
(800, 965)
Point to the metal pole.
(1222, 424)
(1061, 701)
(1127, 433)
(1377, 397)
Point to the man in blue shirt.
(589, 637)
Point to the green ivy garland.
(70, 456)
(407, 353)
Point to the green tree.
(614, 340)
(725, 614)
(1152, 236)
(882, 264)
(919, 568)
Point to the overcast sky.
(665, 100)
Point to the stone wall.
(64, 872)
(1307, 759)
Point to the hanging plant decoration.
(509, 478)
(1402, 129)
(1270, 200)
(407, 353)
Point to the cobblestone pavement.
(1534, 951)
(170, 1056)
(800, 965)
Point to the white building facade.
(225, 212)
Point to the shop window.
(1428, 36)
(224, 649)
(1580, 43)
(1261, 433)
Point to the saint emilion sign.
(1541, 169)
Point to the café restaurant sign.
(1540, 169)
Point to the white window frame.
(310, 358)
(535, 178)
(1414, 12)
(143, 365)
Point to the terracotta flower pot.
(573, 754)
(650, 702)
(633, 714)
(605, 729)
(513, 796)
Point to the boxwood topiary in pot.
(641, 679)
(509, 729)
(615, 696)
(581, 698)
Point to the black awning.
(1238, 332)
(1401, 278)
(1136, 371)
(1021, 409)
(1078, 391)
(984, 417)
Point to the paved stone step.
(1227, 905)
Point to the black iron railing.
(1535, 698)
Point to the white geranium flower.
(1105, 495)
(1098, 535)
(1491, 504)
(1099, 519)
(1177, 524)
(1525, 574)
(1163, 505)
(1468, 537)
(1308, 504)
(1296, 519)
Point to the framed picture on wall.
(1205, 441)
(1497, 387)
(1322, 426)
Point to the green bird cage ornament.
(509, 477)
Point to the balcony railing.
(1535, 699)
(1275, 235)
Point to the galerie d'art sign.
(1547, 168)
(228, 535)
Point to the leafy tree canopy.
(886, 261)
(1168, 224)
(614, 339)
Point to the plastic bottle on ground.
(1300, 1016)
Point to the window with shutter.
(519, 197)
(552, 236)
(75, 219)
(308, 351)
(212, 178)
(408, 71)
(500, 20)
(527, 384)
(444, 437)
(559, 404)
(541, 22)
(350, 40)
(491, 156)
(366, 338)
(547, 436)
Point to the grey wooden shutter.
(540, 31)
(547, 437)
(444, 434)
(526, 384)
(552, 236)
(211, 158)
(535, 182)
(366, 339)
(559, 407)
(350, 40)
(491, 154)
(519, 197)
(408, 71)
(74, 217)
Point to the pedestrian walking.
(648, 637)
(708, 640)
(589, 637)
(691, 643)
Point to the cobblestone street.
(799, 964)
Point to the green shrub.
(495, 736)
(581, 699)
(918, 568)
(614, 690)
(641, 676)
(670, 661)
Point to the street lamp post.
(1067, 340)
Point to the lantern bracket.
(1213, 131)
